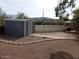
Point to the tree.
(62, 6)
(21, 16)
(76, 15)
(2, 24)
(2, 17)
(76, 19)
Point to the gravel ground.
(41, 50)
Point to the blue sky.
(32, 8)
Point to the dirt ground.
(41, 50)
(41, 36)
(54, 49)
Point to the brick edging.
(25, 43)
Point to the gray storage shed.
(19, 27)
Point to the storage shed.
(19, 27)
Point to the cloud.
(32, 8)
(46, 3)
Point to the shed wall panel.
(14, 28)
(19, 27)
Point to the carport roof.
(68, 22)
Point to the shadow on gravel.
(61, 55)
(6, 37)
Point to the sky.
(32, 8)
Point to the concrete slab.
(56, 35)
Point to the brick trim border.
(38, 41)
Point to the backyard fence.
(48, 28)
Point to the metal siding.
(27, 28)
(33, 27)
(30, 27)
(14, 28)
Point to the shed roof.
(18, 19)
